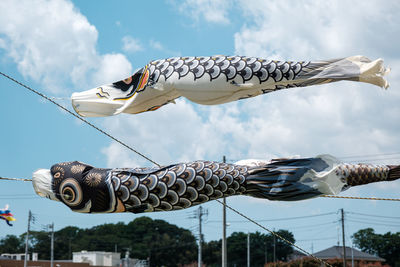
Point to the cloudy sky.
(62, 46)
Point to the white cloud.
(112, 67)
(309, 29)
(213, 11)
(344, 118)
(130, 44)
(54, 44)
(156, 45)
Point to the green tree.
(386, 246)
(11, 244)
(212, 255)
(157, 240)
(260, 244)
(162, 243)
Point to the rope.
(80, 118)
(275, 234)
(367, 198)
(16, 179)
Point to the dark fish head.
(79, 186)
(110, 99)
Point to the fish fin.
(242, 85)
(138, 208)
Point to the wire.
(315, 239)
(281, 219)
(313, 225)
(373, 223)
(372, 220)
(16, 179)
(272, 232)
(367, 198)
(80, 118)
(372, 215)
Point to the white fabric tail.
(371, 71)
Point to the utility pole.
(52, 245)
(344, 244)
(248, 249)
(266, 257)
(274, 248)
(352, 255)
(200, 214)
(224, 250)
(27, 238)
(70, 250)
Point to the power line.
(355, 217)
(373, 223)
(279, 219)
(80, 118)
(272, 232)
(372, 215)
(316, 239)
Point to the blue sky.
(61, 46)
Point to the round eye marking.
(71, 192)
(128, 80)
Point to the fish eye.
(71, 192)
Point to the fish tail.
(294, 179)
(394, 173)
(355, 68)
(360, 174)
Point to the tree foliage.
(386, 246)
(161, 243)
(155, 240)
(11, 244)
(260, 245)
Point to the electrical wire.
(274, 233)
(280, 219)
(372, 215)
(81, 119)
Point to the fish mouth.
(95, 103)
(42, 181)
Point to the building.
(97, 258)
(6, 262)
(20, 256)
(295, 255)
(336, 252)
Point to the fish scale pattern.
(229, 67)
(359, 174)
(179, 186)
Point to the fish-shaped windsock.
(5, 214)
(218, 79)
(86, 189)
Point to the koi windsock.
(87, 189)
(217, 80)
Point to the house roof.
(337, 252)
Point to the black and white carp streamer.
(87, 189)
(217, 80)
